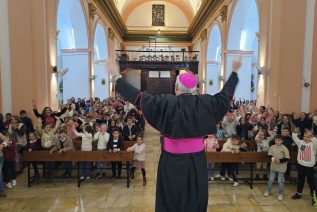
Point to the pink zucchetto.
(187, 82)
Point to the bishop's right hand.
(236, 64)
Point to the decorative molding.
(100, 62)
(203, 35)
(57, 33)
(109, 9)
(75, 50)
(203, 15)
(111, 33)
(238, 52)
(92, 11)
(257, 34)
(224, 13)
(158, 15)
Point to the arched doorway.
(243, 41)
(101, 81)
(213, 64)
(72, 51)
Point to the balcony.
(158, 60)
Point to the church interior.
(54, 56)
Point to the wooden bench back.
(243, 157)
(77, 144)
(252, 144)
(78, 156)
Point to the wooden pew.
(251, 144)
(244, 157)
(128, 144)
(79, 156)
(77, 144)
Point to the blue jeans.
(211, 167)
(1, 182)
(280, 180)
(85, 169)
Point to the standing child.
(86, 145)
(139, 158)
(290, 145)
(34, 144)
(231, 145)
(9, 170)
(115, 144)
(64, 144)
(306, 160)
(221, 134)
(211, 145)
(102, 137)
(263, 145)
(279, 155)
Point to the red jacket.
(9, 152)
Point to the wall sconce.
(306, 83)
(261, 70)
(92, 77)
(221, 78)
(103, 82)
(54, 69)
(63, 71)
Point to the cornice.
(110, 11)
(207, 9)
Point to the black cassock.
(182, 180)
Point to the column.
(202, 61)
(313, 96)
(5, 65)
(286, 58)
(52, 35)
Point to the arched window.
(244, 25)
(213, 66)
(72, 45)
(101, 81)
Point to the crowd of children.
(271, 132)
(112, 121)
(108, 123)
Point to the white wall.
(243, 89)
(212, 73)
(100, 90)
(141, 17)
(76, 80)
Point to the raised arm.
(296, 139)
(129, 92)
(220, 102)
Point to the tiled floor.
(114, 196)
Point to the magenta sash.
(183, 145)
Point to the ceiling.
(198, 11)
(192, 4)
(189, 7)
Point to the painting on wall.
(158, 15)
